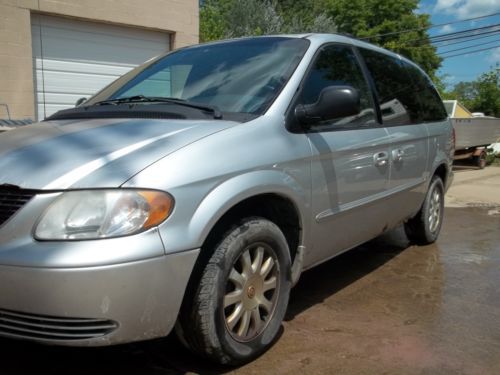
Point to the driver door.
(350, 162)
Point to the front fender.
(191, 232)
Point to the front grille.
(46, 328)
(11, 200)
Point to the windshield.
(239, 76)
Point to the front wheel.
(424, 228)
(237, 309)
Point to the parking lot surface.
(383, 308)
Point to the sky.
(467, 67)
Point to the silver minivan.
(190, 193)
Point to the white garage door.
(74, 59)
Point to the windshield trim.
(157, 111)
(138, 99)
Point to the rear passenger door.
(409, 146)
(349, 165)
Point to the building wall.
(178, 17)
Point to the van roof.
(319, 38)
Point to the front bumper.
(94, 306)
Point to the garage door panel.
(84, 68)
(74, 59)
(79, 40)
(72, 83)
(71, 25)
(105, 51)
(59, 99)
(52, 108)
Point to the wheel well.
(280, 210)
(442, 172)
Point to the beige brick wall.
(179, 17)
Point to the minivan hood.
(58, 155)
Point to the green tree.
(369, 18)
(220, 19)
(465, 92)
(213, 22)
(361, 18)
(303, 12)
(442, 86)
(480, 95)
(487, 94)
(252, 17)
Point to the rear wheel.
(236, 312)
(424, 228)
(480, 160)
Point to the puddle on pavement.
(384, 307)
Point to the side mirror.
(333, 102)
(80, 101)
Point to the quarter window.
(398, 101)
(337, 66)
(431, 105)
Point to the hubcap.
(251, 292)
(435, 210)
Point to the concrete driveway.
(472, 187)
(383, 308)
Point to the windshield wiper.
(159, 99)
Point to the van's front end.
(98, 203)
(82, 261)
(87, 267)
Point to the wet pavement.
(383, 308)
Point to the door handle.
(397, 155)
(381, 159)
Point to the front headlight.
(94, 214)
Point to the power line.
(431, 26)
(457, 33)
(447, 37)
(485, 34)
(446, 43)
(470, 52)
(464, 20)
(465, 47)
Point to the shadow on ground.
(167, 356)
(464, 165)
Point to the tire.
(480, 160)
(250, 322)
(424, 228)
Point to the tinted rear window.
(431, 105)
(449, 108)
(395, 89)
(406, 94)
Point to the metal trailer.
(473, 135)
